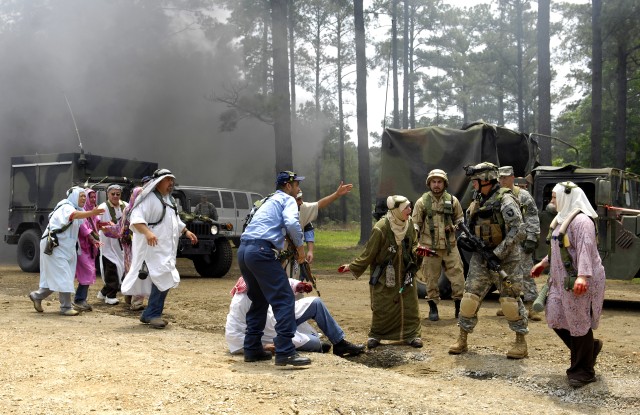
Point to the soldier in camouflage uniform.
(495, 217)
(435, 216)
(528, 247)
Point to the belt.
(259, 242)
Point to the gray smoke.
(138, 77)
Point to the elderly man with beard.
(435, 216)
(156, 231)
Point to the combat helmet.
(438, 173)
(483, 171)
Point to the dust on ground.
(106, 361)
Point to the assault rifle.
(289, 256)
(475, 244)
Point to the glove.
(424, 251)
(343, 268)
(530, 246)
(304, 287)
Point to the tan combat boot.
(500, 313)
(519, 348)
(533, 315)
(459, 346)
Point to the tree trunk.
(343, 200)
(412, 81)
(394, 58)
(596, 84)
(265, 51)
(292, 62)
(361, 115)
(281, 99)
(520, 76)
(544, 80)
(405, 66)
(620, 151)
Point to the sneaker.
(69, 312)
(82, 306)
(293, 360)
(100, 296)
(344, 348)
(372, 343)
(111, 301)
(37, 304)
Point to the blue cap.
(288, 177)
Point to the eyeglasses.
(115, 194)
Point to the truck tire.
(29, 251)
(217, 264)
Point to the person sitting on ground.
(305, 337)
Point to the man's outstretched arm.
(342, 190)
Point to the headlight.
(214, 229)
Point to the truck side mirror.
(603, 192)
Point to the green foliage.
(335, 247)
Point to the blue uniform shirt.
(278, 213)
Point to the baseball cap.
(288, 177)
(505, 171)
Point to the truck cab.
(615, 195)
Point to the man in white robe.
(156, 230)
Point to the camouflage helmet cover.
(438, 173)
(483, 171)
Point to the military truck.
(408, 155)
(212, 255)
(38, 182)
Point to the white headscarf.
(396, 204)
(568, 202)
(150, 186)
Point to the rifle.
(476, 244)
(289, 254)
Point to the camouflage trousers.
(480, 280)
(529, 289)
(454, 271)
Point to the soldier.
(206, 208)
(495, 218)
(435, 216)
(532, 229)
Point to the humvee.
(408, 156)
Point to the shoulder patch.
(510, 213)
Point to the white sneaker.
(111, 301)
(100, 296)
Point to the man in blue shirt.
(266, 280)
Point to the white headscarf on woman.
(73, 196)
(396, 204)
(570, 197)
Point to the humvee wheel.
(218, 263)
(29, 251)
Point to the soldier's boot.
(533, 315)
(519, 348)
(456, 304)
(433, 311)
(500, 313)
(460, 346)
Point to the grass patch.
(335, 247)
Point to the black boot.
(433, 311)
(456, 303)
(344, 348)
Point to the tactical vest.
(164, 207)
(112, 210)
(486, 221)
(447, 212)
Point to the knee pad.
(510, 308)
(469, 305)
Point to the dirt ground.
(105, 361)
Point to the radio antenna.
(74, 123)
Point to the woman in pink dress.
(89, 248)
(577, 283)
